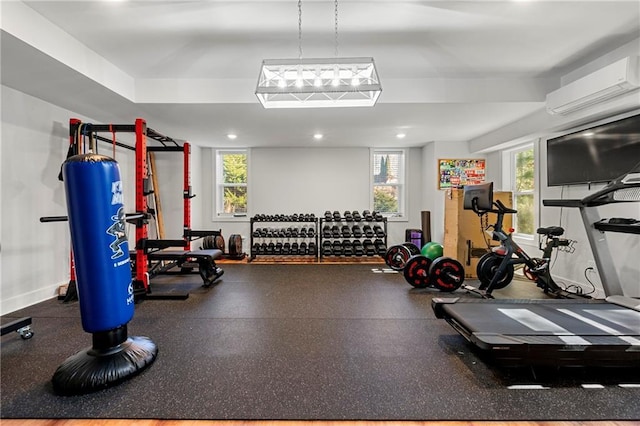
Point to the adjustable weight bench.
(205, 260)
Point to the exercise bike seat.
(554, 231)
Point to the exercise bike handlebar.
(500, 210)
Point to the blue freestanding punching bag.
(103, 276)
(101, 251)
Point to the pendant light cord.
(336, 25)
(299, 29)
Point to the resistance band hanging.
(113, 139)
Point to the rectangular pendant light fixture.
(317, 83)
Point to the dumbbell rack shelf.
(346, 237)
(284, 236)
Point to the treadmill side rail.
(625, 301)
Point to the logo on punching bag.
(117, 229)
(116, 193)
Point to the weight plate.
(413, 249)
(416, 271)
(235, 245)
(487, 268)
(219, 243)
(207, 242)
(446, 274)
(396, 257)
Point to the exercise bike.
(496, 269)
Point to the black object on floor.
(309, 341)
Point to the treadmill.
(571, 332)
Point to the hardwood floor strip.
(155, 422)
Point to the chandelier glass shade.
(316, 83)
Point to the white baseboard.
(24, 300)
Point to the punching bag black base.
(111, 360)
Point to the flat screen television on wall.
(598, 154)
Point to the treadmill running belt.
(574, 328)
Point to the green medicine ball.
(432, 250)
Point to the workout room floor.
(308, 341)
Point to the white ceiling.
(450, 70)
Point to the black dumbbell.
(378, 231)
(347, 248)
(346, 232)
(337, 248)
(368, 232)
(326, 248)
(369, 248)
(356, 216)
(358, 248)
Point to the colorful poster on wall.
(456, 173)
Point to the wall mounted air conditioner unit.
(613, 80)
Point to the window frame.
(218, 204)
(509, 181)
(402, 185)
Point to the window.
(522, 185)
(231, 179)
(389, 182)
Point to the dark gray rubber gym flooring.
(310, 341)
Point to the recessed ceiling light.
(317, 136)
(588, 134)
(400, 135)
(232, 136)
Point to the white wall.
(309, 180)
(169, 173)
(35, 256)
(569, 268)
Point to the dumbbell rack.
(281, 236)
(341, 229)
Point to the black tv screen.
(598, 154)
